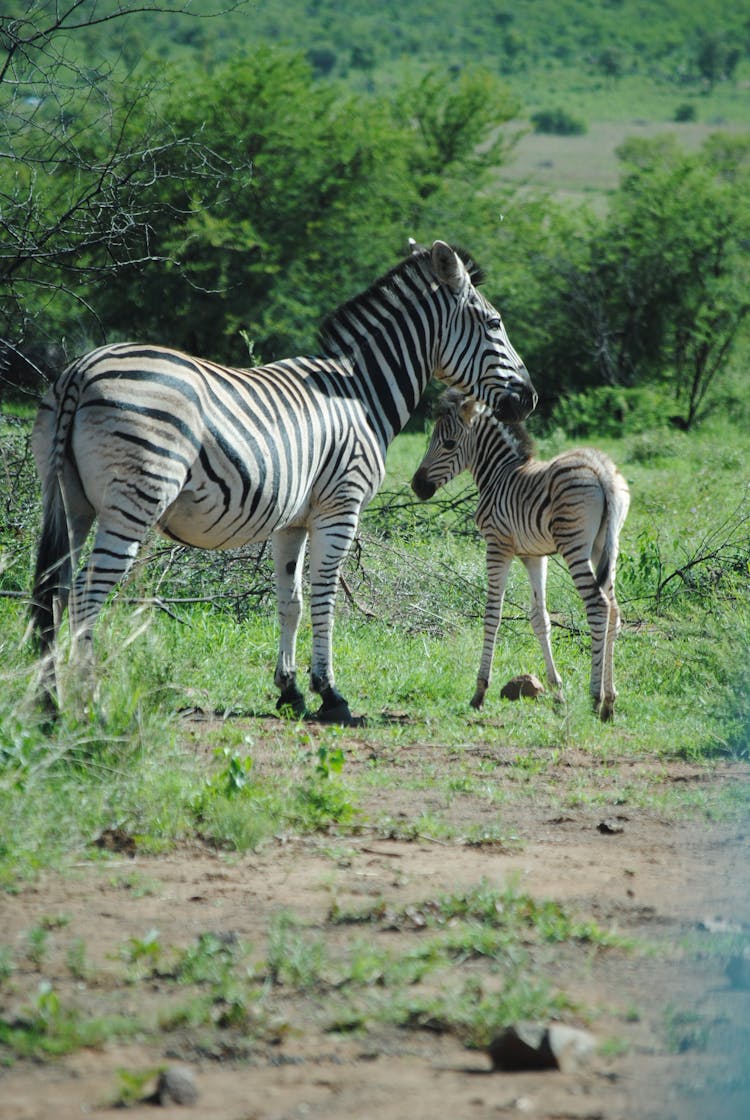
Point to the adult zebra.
(575, 504)
(136, 436)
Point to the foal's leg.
(598, 614)
(288, 546)
(536, 568)
(609, 692)
(498, 566)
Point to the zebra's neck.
(386, 337)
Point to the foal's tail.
(617, 503)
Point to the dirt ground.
(675, 882)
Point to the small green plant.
(76, 959)
(131, 1086)
(49, 1028)
(292, 958)
(37, 939)
(143, 954)
(320, 800)
(685, 1030)
(7, 964)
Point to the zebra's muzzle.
(515, 404)
(422, 485)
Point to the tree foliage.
(80, 154)
(661, 292)
(226, 207)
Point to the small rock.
(572, 1047)
(116, 840)
(521, 1046)
(610, 827)
(527, 1046)
(720, 925)
(176, 1085)
(526, 685)
(738, 972)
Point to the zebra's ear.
(448, 266)
(468, 411)
(415, 247)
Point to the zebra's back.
(222, 456)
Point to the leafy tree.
(715, 59)
(75, 168)
(336, 185)
(661, 291)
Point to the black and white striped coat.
(135, 436)
(574, 505)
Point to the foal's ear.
(468, 411)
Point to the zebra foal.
(574, 505)
(136, 436)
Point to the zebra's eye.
(449, 444)
(495, 324)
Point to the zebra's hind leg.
(115, 547)
(330, 539)
(288, 546)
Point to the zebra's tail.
(617, 503)
(53, 573)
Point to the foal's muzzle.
(422, 486)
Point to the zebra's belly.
(517, 539)
(202, 520)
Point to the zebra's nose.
(527, 394)
(519, 399)
(422, 486)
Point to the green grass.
(406, 643)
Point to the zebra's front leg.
(288, 548)
(330, 539)
(498, 566)
(541, 624)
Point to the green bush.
(610, 411)
(685, 111)
(558, 122)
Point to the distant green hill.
(687, 44)
(677, 40)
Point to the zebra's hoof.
(339, 713)
(607, 711)
(291, 705)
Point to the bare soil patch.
(672, 1028)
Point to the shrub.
(558, 122)
(609, 410)
(685, 111)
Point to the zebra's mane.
(515, 434)
(413, 263)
